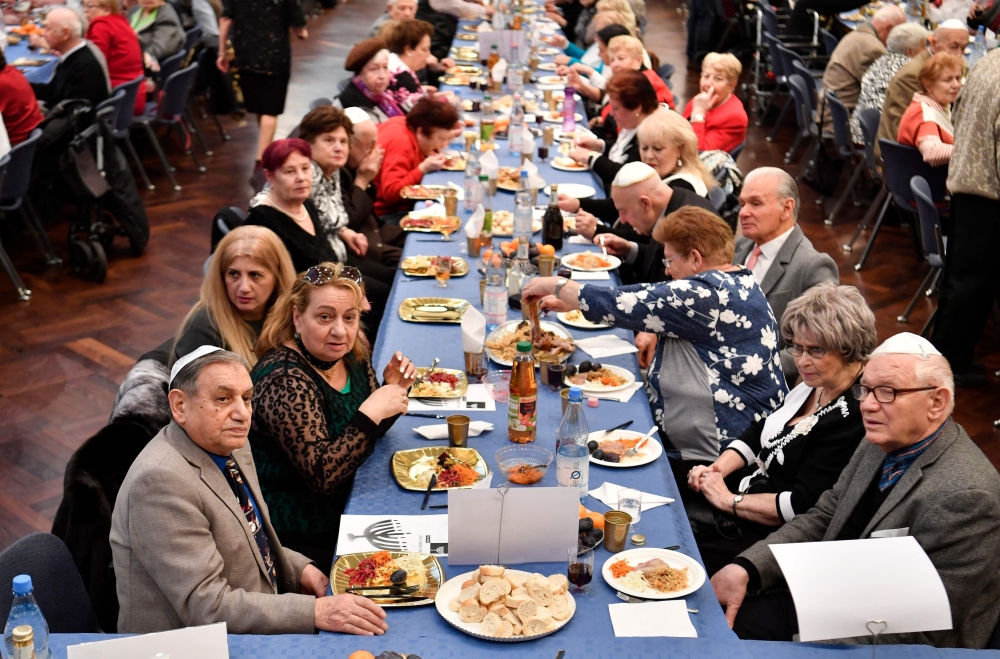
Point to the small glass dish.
(497, 385)
(523, 464)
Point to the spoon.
(427, 374)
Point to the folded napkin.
(528, 146)
(535, 182)
(606, 345)
(669, 618)
(499, 70)
(579, 275)
(607, 494)
(489, 165)
(621, 396)
(473, 331)
(579, 240)
(440, 431)
(434, 210)
(484, 27)
(475, 224)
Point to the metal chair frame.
(845, 143)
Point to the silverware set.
(638, 600)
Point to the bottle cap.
(638, 539)
(22, 584)
(575, 394)
(484, 177)
(591, 401)
(524, 174)
(23, 634)
(524, 346)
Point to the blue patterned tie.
(235, 478)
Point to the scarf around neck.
(383, 101)
(934, 113)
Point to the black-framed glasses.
(883, 393)
(319, 275)
(813, 351)
(668, 261)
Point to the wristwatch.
(736, 500)
(697, 117)
(562, 281)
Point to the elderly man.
(395, 10)
(854, 54)
(773, 247)
(81, 72)
(952, 36)
(917, 473)
(970, 277)
(191, 537)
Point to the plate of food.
(547, 66)
(423, 266)
(426, 192)
(454, 161)
(442, 383)
(551, 80)
(371, 569)
(656, 574)
(470, 55)
(575, 319)
(610, 449)
(495, 603)
(430, 224)
(508, 178)
(557, 117)
(459, 80)
(456, 468)
(599, 378)
(464, 68)
(29, 61)
(567, 164)
(591, 261)
(548, 50)
(575, 190)
(503, 224)
(554, 343)
(432, 309)
(467, 37)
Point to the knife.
(618, 427)
(427, 494)
(426, 416)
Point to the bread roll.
(533, 626)
(506, 587)
(516, 578)
(559, 583)
(559, 607)
(455, 604)
(543, 613)
(492, 624)
(507, 629)
(491, 591)
(471, 611)
(470, 591)
(516, 597)
(540, 590)
(498, 608)
(512, 619)
(527, 610)
(475, 575)
(491, 570)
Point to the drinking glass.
(543, 153)
(630, 501)
(442, 270)
(580, 569)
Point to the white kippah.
(907, 343)
(190, 357)
(632, 173)
(953, 24)
(357, 115)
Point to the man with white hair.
(854, 54)
(917, 473)
(952, 36)
(364, 159)
(395, 10)
(79, 73)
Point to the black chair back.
(769, 19)
(170, 66)
(869, 119)
(226, 219)
(930, 221)
(841, 124)
(116, 101)
(800, 96)
(18, 178)
(175, 93)
(58, 588)
(735, 153)
(777, 61)
(799, 67)
(124, 119)
(192, 37)
(829, 41)
(900, 164)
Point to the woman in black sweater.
(780, 466)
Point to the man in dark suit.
(773, 247)
(79, 74)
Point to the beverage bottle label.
(522, 413)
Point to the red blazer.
(117, 40)
(724, 128)
(18, 105)
(663, 93)
(400, 167)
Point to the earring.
(296, 336)
(680, 163)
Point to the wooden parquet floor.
(64, 353)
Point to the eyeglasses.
(667, 262)
(320, 275)
(813, 351)
(883, 394)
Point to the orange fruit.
(488, 254)
(598, 520)
(547, 249)
(361, 654)
(583, 511)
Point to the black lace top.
(308, 439)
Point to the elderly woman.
(318, 408)
(111, 33)
(717, 368)
(368, 89)
(413, 147)
(593, 56)
(781, 465)
(926, 124)
(409, 51)
(717, 116)
(905, 41)
(624, 53)
(159, 30)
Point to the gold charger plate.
(411, 266)
(435, 577)
(416, 225)
(433, 309)
(424, 192)
(467, 37)
(413, 468)
(457, 392)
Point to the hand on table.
(350, 614)
(581, 156)
(644, 341)
(730, 586)
(433, 163)
(399, 370)
(615, 244)
(570, 205)
(313, 581)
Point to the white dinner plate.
(564, 168)
(650, 451)
(547, 66)
(570, 260)
(592, 388)
(575, 190)
(558, 120)
(551, 80)
(696, 573)
(583, 323)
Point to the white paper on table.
(528, 146)
(427, 534)
(434, 210)
(476, 399)
(489, 165)
(440, 431)
(579, 240)
(606, 345)
(474, 227)
(204, 642)
(621, 396)
(601, 275)
(473, 331)
(838, 587)
(484, 27)
(668, 618)
(607, 493)
(510, 43)
(539, 525)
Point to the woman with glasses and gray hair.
(318, 408)
(781, 465)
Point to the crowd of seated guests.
(111, 32)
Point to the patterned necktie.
(754, 255)
(235, 479)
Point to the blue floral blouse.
(716, 369)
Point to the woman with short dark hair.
(369, 88)
(409, 49)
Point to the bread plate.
(574, 261)
(553, 119)
(575, 190)
(650, 451)
(339, 582)
(597, 388)
(566, 164)
(677, 560)
(570, 318)
(547, 66)
(551, 80)
(467, 37)
(433, 309)
(451, 589)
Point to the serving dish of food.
(651, 573)
(467, 37)
(397, 571)
(423, 266)
(557, 117)
(597, 378)
(554, 343)
(567, 164)
(426, 192)
(442, 383)
(430, 224)
(575, 319)
(609, 449)
(508, 178)
(432, 309)
(456, 468)
(503, 224)
(591, 261)
(495, 603)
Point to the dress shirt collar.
(82, 43)
(897, 462)
(771, 248)
(396, 64)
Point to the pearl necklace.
(299, 217)
(723, 101)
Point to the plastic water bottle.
(572, 456)
(471, 183)
(515, 133)
(25, 611)
(486, 199)
(522, 209)
(495, 293)
(487, 119)
(569, 110)
(978, 48)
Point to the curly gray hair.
(837, 316)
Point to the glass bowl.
(497, 385)
(523, 464)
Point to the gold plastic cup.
(546, 264)
(458, 434)
(474, 246)
(527, 155)
(470, 139)
(482, 291)
(548, 135)
(451, 202)
(616, 524)
(564, 394)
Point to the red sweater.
(117, 40)
(18, 105)
(663, 93)
(400, 167)
(724, 128)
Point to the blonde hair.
(725, 63)
(260, 245)
(614, 17)
(628, 45)
(665, 127)
(279, 327)
(621, 6)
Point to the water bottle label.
(522, 413)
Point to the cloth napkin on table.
(579, 275)
(607, 494)
(528, 146)
(489, 165)
(652, 619)
(499, 70)
(621, 396)
(475, 224)
(484, 27)
(440, 430)
(473, 331)
(607, 345)
(579, 240)
(535, 182)
(434, 210)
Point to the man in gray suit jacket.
(773, 247)
(191, 537)
(918, 474)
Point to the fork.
(635, 449)
(638, 600)
(438, 402)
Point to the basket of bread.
(499, 604)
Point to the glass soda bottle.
(24, 611)
(522, 410)
(487, 120)
(572, 456)
(552, 221)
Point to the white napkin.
(499, 71)
(440, 431)
(535, 182)
(668, 618)
(528, 146)
(434, 210)
(475, 224)
(579, 275)
(607, 494)
(485, 27)
(606, 345)
(621, 396)
(579, 240)
(489, 165)
(473, 330)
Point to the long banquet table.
(40, 73)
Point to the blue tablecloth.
(32, 73)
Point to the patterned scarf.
(383, 101)
(329, 201)
(897, 462)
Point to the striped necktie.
(235, 478)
